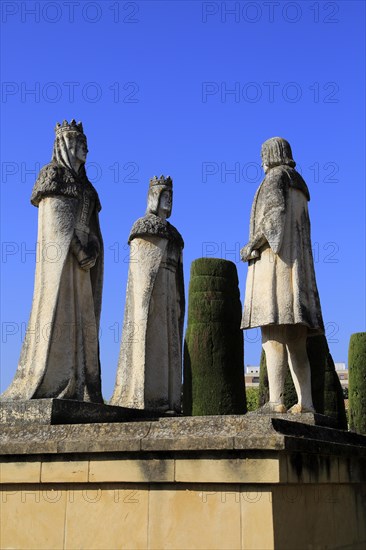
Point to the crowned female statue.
(60, 354)
(149, 372)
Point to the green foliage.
(252, 399)
(290, 395)
(263, 394)
(357, 382)
(318, 351)
(213, 349)
(333, 395)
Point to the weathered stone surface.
(234, 470)
(191, 433)
(65, 411)
(314, 419)
(72, 471)
(185, 434)
(189, 526)
(151, 470)
(281, 294)
(149, 370)
(60, 353)
(193, 516)
(20, 472)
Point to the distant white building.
(342, 372)
(252, 369)
(340, 366)
(252, 375)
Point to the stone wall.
(199, 489)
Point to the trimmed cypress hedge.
(263, 381)
(333, 395)
(318, 351)
(213, 348)
(357, 382)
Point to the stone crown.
(71, 126)
(166, 181)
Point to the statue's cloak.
(57, 194)
(149, 366)
(281, 287)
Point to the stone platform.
(133, 433)
(65, 411)
(221, 482)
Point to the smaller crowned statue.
(149, 372)
(60, 353)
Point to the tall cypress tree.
(357, 382)
(214, 351)
(333, 395)
(263, 381)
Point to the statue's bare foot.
(272, 407)
(299, 409)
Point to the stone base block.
(219, 483)
(314, 419)
(65, 411)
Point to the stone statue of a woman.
(149, 372)
(60, 354)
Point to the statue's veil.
(61, 149)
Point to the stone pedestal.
(65, 411)
(224, 482)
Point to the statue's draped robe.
(281, 287)
(149, 374)
(60, 353)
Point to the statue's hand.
(88, 263)
(248, 253)
(86, 259)
(93, 247)
(245, 252)
(85, 255)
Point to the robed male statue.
(281, 293)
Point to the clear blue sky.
(151, 82)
